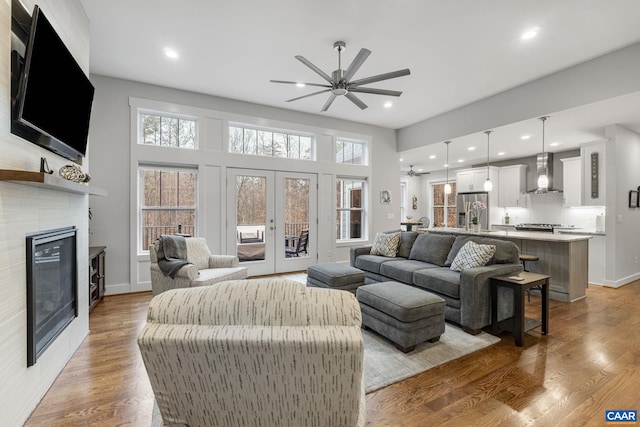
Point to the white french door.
(269, 213)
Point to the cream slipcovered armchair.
(264, 352)
(207, 269)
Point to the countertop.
(524, 235)
(560, 230)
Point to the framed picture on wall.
(633, 199)
(385, 197)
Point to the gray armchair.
(206, 269)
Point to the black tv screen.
(55, 95)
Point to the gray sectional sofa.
(424, 260)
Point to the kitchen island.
(564, 257)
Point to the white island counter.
(564, 257)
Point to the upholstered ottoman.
(335, 276)
(403, 314)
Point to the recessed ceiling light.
(170, 53)
(445, 165)
(420, 169)
(460, 160)
(300, 84)
(554, 144)
(388, 104)
(401, 159)
(433, 156)
(530, 33)
(471, 148)
(525, 137)
(501, 153)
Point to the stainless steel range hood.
(544, 165)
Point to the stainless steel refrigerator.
(465, 201)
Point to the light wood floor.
(588, 363)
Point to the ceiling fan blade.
(295, 83)
(380, 77)
(375, 91)
(318, 71)
(308, 95)
(351, 97)
(356, 63)
(327, 104)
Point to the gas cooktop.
(537, 227)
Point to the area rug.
(385, 365)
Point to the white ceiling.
(458, 51)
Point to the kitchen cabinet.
(572, 181)
(593, 173)
(473, 179)
(596, 260)
(513, 183)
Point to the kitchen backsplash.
(549, 209)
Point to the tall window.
(167, 131)
(264, 142)
(353, 152)
(350, 212)
(444, 206)
(167, 202)
(403, 199)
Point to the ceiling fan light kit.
(340, 83)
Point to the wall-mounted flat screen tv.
(54, 96)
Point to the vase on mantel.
(476, 228)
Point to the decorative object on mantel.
(74, 173)
(44, 166)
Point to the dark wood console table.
(519, 324)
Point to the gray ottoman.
(403, 314)
(335, 276)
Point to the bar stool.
(524, 258)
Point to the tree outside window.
(350, 212)
(167, 202)
(167, 131)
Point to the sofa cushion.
(472, 255)
(402, 270)
(371, 263)
(441, 280)
(407, 238)
(506, 252)
(432, 248)
(386, 244)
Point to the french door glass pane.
(251, 192)
(296, 216)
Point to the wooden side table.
(519, 324)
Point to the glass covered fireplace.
(52, 287)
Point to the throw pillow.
(386, 244)
(472, 255)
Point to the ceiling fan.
(413, 173)
(340, 83)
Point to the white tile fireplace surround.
(25, 210)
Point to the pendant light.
(543, 179)
(488, 185)
(447, 187)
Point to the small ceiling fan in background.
(340, 83)
(413, 173)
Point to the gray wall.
(110, 149)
